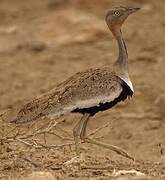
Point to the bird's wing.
(82, 90)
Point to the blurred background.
(44, 42)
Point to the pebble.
(37, 46)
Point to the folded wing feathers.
(79, 91)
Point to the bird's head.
(117, 15)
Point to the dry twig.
(98, 129)
(31, 136)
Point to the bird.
(90, 91)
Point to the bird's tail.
(32, 110)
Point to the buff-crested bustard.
(90, 91)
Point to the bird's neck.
(121, 65)
(122, 62)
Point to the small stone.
(37, 46)
(55, 3)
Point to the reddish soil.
(45, 42)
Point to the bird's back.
(81, 91)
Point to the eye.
(117, 13)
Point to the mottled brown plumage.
(83, 90)
(90, 91)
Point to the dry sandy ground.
(45, 42)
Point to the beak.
(133, 9)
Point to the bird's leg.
(78, 130)
(84, 125)
(82, 131)
(109, 146)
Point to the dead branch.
(36, 135)
(98, 129)
(31, 137)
